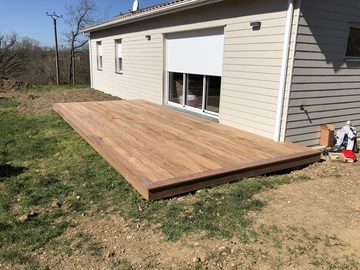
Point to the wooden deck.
(163, 152)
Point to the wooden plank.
(164, 152)
(246, 170)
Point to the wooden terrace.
(163, 152)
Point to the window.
(213, 94)
(196, 91)
(353, 44)
(99, 55)
(194, 64)
(118, 56)
(176, 87)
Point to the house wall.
(326, 84)
(142, 66)
(251, 67)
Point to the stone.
(23, 218)
(110, 254)
(26, 217)
(55, 204)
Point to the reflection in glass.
(353, 46)
(176, 82)
(195, 91)
(213, 94)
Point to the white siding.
(323, 82)
(141, 76)
(251, 64)
(252, 67)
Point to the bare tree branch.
(77, 17)
(14, 54)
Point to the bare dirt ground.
(313, 224)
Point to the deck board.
(163, 152)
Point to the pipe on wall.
(284, 67)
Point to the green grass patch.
(218, 212)
(43, 160)
(7, 103)
(43, 88)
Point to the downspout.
(91, 64)
(284, 67)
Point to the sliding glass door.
(200, 92)
(194, 61)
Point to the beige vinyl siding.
(251, 66)
(141, 77)
(144, 75)
(323, 82)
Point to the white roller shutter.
(119, 48)
(196, 52)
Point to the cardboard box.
(327, 135)
(346, 156)
(338, 157)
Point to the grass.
(42, 88)
(43, 160)
(219, 212)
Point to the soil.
(30, 102)
(312, 224)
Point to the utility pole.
(55, 17)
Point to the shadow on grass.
(6, 171)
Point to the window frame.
(351, 26)
(99, 55)
(118, 56)
(183, 101)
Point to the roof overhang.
(157, 11)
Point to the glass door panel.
(195, 89)
(213, 94)
(176, 87)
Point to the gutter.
(152, 13)
(284, 67)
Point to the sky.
(28, 18)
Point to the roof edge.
(162, 10)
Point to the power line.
(55, 17)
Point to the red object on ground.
(349, 156)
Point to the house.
(279, 68)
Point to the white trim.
(348, 57)
(202, 110)
(119, 47)
(99, 55)
(91, 64)
(194, 110)
(284, 67)
(203, 101)
(282, 137)
(156, 12)
(118, 55)
(185, 86)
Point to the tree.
(77, 17)
(14, 54)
